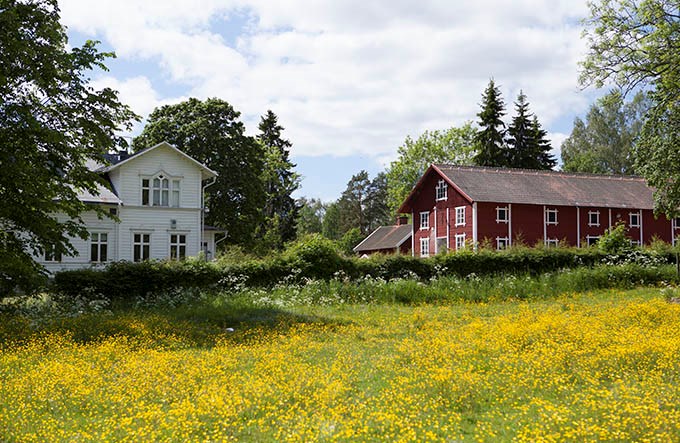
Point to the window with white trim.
(178, 246)
(552, 242)
(592, 239)
(440, 190)
(141, 246)
(460, 242)
(52, 255)
(424, 220)
(460, 216)
(424, 247)
(634, 219)
(160, 191)
(502, 243)
(551, 216)
(635, 243)
(502, 214)
(99, 247)
(594, 218)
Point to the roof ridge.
(504, 170)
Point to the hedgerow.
(316, 258)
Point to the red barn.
(453, 206)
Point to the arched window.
(160, 190)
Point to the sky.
(348, 79)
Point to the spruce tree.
(491, 135)
(280, 181)
(520, 135)
(540, 148)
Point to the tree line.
(52, 123)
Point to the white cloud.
(350, 77)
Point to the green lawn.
(600, 366)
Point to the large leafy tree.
(310, 216)
(280, 181)
(210, 131)
(454, 145)
(604, 142)
(636, 44)
(51, 123)
(492, 149)
(353, 203)
(528, 146)
(377, 211)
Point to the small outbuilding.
(387, 240)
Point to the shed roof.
(526, 186)
(385, 237)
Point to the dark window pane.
(146, 238)
(145, 252)
(145, 197)
(173, 252)
(136, 255)
(94, 252)
(182, 251)
(103, 252)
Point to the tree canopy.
(454, 145)
(528, 146)
(635, 44)
(52, 122)
(492, 150)
(210, 131)
(604, 142)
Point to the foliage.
(310, 216)
(455, 146)
(223, 368)
(634, 44)
(604, 143)
(615, 241)
(363, 204)
(528, 146)
(52, 123)
(210, 132)
(349, 240)
(280, 211)
(490, 139)
(330, 225)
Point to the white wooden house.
(157, 195)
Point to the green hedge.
(316, 258)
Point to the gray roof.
(385, 237)
(104, 194)
(549, 187)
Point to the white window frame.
(594, 238)
(180, 242)
(552, 242)
(424, 247)
(99, 245)
(506, 211)
(441, 190)
(460, 242)
(505, 241)
(595, 213)
(548, 212)
(630, 219)
(425, 221)
(172, 192)
(460, 216)
(635, 243)
(141, 244)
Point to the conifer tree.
(541, 157)
(280, 181)
(491, 135)
(528, 146)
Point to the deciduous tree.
(52, 122)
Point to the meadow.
(597, 365)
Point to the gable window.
(99, 247)
(178, 246)
(160, 191)
(634, 219)
(551, 216)
(593, 218)
(460, 242)
(460, 216)
(502, 215)
(502, 243)
(141, 244)
(51, 254)
(424, 247)
(424, 220)
(441, 190)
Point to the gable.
(431, 176)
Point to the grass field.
(602, 366)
